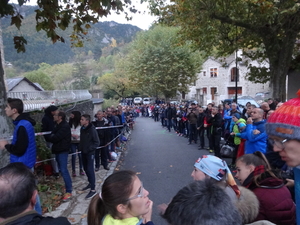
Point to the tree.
(264, 29)
(81, 81)
(117, 83)
(41, 78)
(49, 16)
(159, 65)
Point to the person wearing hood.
(48, 125)
(276, 204)
(89, 141)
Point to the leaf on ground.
(171, 166)
(159, 171)
(83, 216)
(138, 173)
(71, 219)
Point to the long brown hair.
(258, 159)
(116, 190)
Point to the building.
(216, 80)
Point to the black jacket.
(170, 113)
(33, 218)
(61, 138)
(200, 120)
(216, 123)
(103, 134)
(89, 139)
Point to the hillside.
(40, 49)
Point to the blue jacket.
(255, 142)
(29, 157)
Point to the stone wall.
(86, 107)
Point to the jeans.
(201, 137)
(74, 146)
(88, 165)
(37, 206)
(170, 124)
(215, 139)
(193, 133)
(62, 161)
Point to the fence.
(38, 100)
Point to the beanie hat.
(237, 115)
(285, 121)
(216, 168)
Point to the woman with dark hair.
(74, 123)
(276, 204)
(123, 200)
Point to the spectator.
(23, 146)
(74, 123)
(272, 104)
(266, 108)
(255, 135)
(127, 205)
(192, 119)
(215, 130)
(246, 107)
(248, 112)
(18, 193)
(254, 173)
(89, 141)
(61, 139)
(103, 135)
(238, 128)
(202, 202)
(170, 114)
(48, 125)
(200, 127)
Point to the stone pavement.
(76, 208)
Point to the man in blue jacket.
(255, 134)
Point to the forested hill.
(40, 49)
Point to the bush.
(109, 102)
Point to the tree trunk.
(280, 54)
(6, 126)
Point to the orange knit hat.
(285, 121)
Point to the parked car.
(242, 101)
(261, 96)
(147, 101)
(137, 100)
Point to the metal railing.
(38, 100)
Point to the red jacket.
(276, 203)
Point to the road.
(162, 160)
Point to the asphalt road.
(162, 160)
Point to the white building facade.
(216, 81)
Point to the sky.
(143, 20)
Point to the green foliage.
(39, 77)
(109, 102)
(158, 64)
(81, 81)
(264, 29)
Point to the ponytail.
(96, 211)
(258, 160)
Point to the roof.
(13, 82)
(97, 100)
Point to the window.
(233, 73)
(204, 90)
(204, 73)
(213, 72)
(195, 83)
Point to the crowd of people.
(266, 147)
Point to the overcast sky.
(142, 20)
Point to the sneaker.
(56, 175)
(67, 196)
(106, 168)
(211, 151)
(96, 169)
(90, 194)
(87, 187)
(82, 173)
(73, 174)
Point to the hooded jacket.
(89, 139)
(32, 217)
(23, 146)
(276, 204)
(48, 123)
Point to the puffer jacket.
(276, 203)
